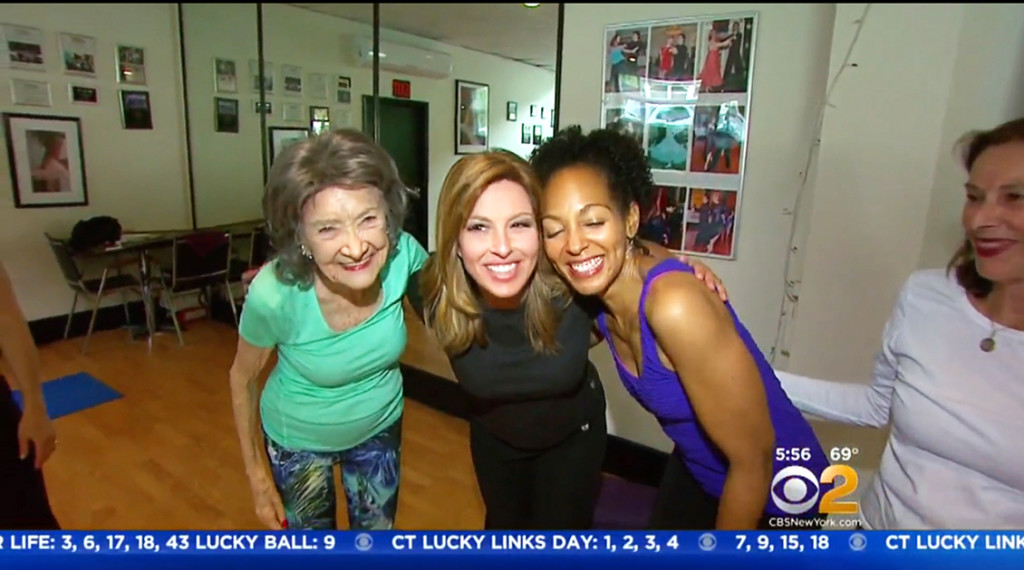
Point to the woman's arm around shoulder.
(856, 403)
(697, 334)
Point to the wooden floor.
(166, 457)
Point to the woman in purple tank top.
(680, 351)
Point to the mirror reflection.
(453, 79)
(223, 127)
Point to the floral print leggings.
(369, 473)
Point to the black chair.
(199, 261)
(94, 288)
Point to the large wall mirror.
(451, 79)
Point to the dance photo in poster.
(710, 221)
(681, 87)
(674, 52)
(663, 217)
(668, 136)
(625, 59)
(724, 65)
(718, 134)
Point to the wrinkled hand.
(35, 434)
(704, 273)
(267, 501)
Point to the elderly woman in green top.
(330, 303)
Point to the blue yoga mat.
(74, 393)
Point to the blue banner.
(309, 550)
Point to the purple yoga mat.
(623, 505)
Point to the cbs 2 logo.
(799, 494)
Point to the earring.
(305, 252)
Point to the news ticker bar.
(312, 549)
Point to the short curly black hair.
(614, 153)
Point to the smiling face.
(585, 235)
(499, 243)
(345, 230)
(993, 214)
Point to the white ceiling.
(512, 31)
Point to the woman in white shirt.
(950, 373)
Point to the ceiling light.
(531, 5)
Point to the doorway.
(404, 133)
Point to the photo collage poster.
(681, 87)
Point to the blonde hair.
(450, 298)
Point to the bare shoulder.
(677, 297)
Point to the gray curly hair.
(342, 158)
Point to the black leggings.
(682, 504)
(24, 504)
(550, 489)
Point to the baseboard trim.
(623, 458)
(51, 329)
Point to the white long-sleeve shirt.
(955, 454)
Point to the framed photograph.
(291, 111)
(511, 111)
(282, 137)
(472, 106)
(131, 65)
(526, 137)
(319, 119)
(78, 54)
(343, 90)
(226, 115)
(291, 78)
(29, 92)
(47, 162)
(83, 94)
(681, 87)
(268, 76)
(136, 113)
(317, 86)
(267, 108)
(225, 76)
(538, 134)
(24, 47)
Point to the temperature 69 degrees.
(795, 489)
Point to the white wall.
(883, 194)
(980, 96)
(125, 168)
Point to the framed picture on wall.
(136, 112)
(23, 46)
(226, 114)
(526, 137)
(282, 137)
(511, 111)
(472, 103)
(225, 75)
(319, 119)
(47, 162)
(78, 53)
(131, 65)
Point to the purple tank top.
(660, 392)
